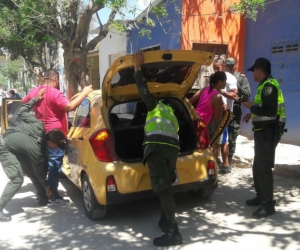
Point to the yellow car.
(104, 147)
(104, 144)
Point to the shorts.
(224, 137)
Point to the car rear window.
(164, 72)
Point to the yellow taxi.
(104, 147)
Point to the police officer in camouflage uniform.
(244, 93)
(161, 153)
(268, 120)
(24, 144)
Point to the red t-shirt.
(50, 110)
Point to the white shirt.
(231, 83)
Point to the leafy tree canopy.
(29, 28)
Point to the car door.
(9, 110)
(220, 126)
(76, 142)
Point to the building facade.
(276, 36)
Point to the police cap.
(261, 62)
(230, 61)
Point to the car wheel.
(91, 206)
(202, 193)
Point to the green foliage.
(145, 32)
(11, 70)
(118, 26)
(22, 30)
(249, 7)
(160, 11)
(3, 80)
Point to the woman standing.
(210, 104)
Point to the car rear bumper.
(116, 197)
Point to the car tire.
(92, 208)
(202, 193)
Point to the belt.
(39, 139)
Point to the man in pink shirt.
(52, 111)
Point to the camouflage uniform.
(234, 126)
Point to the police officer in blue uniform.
(161, 147)
(268, 120)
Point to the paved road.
(222, 222)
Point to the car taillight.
(211, 168)
(103, 146)
(110, 184)
(202, 135)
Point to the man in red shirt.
(52, 111)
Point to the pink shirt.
(204, 109)
(51, 109)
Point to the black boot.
(43, 201)
(172, 237)
(265, 209)
(163, 223)
(4, 217)
(253, 202)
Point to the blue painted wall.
(167, 37)
(276, 36)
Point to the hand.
(247, 104)
(49, 192)
(87, 90)
(41, 93)
(138, 60)
(224, 107)
(246, 117)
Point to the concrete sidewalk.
(287, 161)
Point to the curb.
(287, 170)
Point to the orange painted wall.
(206, 21)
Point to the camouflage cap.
(230, 61)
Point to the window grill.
(293, 47)
(277, 49)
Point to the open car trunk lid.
(168, 73)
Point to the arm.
(244, 88)
(23, 112)
(73, 104)
(269, 105)
(27, 98)
(195, 98)
(141, 82)
(217, 104)
(231, 94)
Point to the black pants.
(162, 165)
(233, 133)
(265, 143)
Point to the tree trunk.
(76, 70)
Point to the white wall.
(114, 43)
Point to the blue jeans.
(54, 160)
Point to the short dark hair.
(12, 92)
(51, 73)
(56, 136)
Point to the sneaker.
(57, 201)
(224, 170)
(4, 217)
